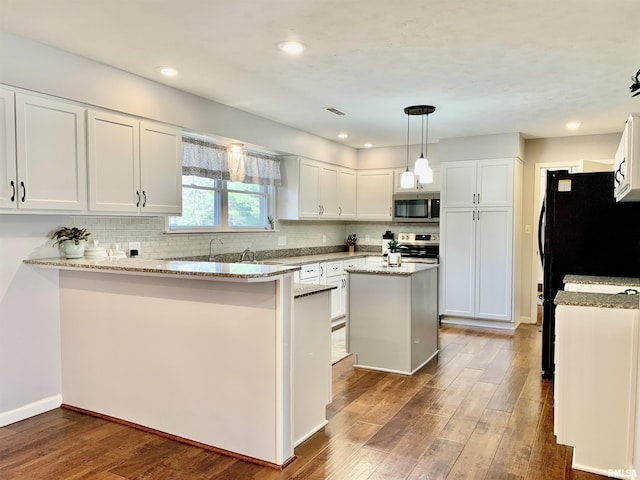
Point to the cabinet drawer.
(350, 263)
(310, 271)
(334, 268)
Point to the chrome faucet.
(246, 252)
(210, 245)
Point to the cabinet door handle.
(473, 216)
(13, 191)
(321, 270)
(24, 192)
(144, 198)
(138, 195)
(339, 210)
(478, 215)
(624, 159)
(319, 209)
(474, 198)
(389, 211)
(478, 199)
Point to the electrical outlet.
(134, 246)
(282, 240)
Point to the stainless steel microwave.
(416, 207)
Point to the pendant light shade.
(407, 179)
(421, 167)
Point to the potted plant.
(394, 257)
(72, 239)
(271, 222)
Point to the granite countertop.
(322, 257)
(211, 270)
(404, 269)
(602, 300)
(596, 280)
(306, 289)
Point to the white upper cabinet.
(114, 162)
(50, 154)
(160, 168)
(477, 183)
(315, 190)
(134, 166)
(347, 181)
(626, 182)
(375, 194)
(417, 186)
(8, 172)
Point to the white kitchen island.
(193, 350)
(393, 316)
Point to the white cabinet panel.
(494, 183)
(309, 189)
(337, 304)
(457, 266)
(493, 263)
(160, 168)
(114, 162)
(347, 182)
(374, 194)
(329, 190)
(627, 162)
(8, 172)
(458, 184)
(51, 154)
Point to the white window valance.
(203, 158)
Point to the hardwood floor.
(480, 411)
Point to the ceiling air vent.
(335, 111)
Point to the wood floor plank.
(437, 461)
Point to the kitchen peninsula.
(195, 350)
(393, 316)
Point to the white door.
(51, 153)
(114, 162)
(494, 260)
(494, 183)
(160, 168)
(329, 191)
(337, 309)
(346, 193)
(458, 184)
(374, 194)
(309, 189)
(8, 173)
(457, 267)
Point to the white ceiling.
(489, 66)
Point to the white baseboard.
(526, 320)
(30, 410)
(470, 322)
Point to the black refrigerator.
(583, 231)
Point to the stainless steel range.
(420, 247)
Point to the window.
(223, 190)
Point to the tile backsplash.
(156, 243)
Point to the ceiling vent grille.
(335, 111)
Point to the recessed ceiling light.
(169, 71)
(291, 48)
(368, 145)
(343, 135)
(573, 125)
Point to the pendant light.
(407, 179)
(421, 167)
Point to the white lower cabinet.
(595, 386)
(337, 277)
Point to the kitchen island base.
(205, 360)
(393, 317)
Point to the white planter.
(394, 259)
(71, 250)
